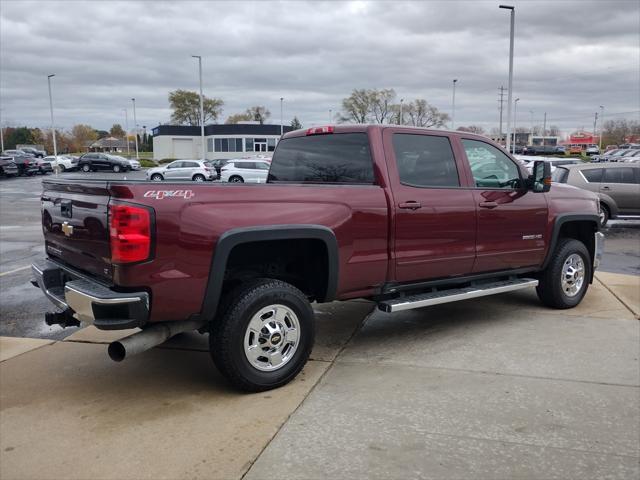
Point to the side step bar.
(453, 295)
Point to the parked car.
(540, 150)
(405, 217)
(239, 171)
(218, 164)
(554, 162)
(133, 163)
(196, 170)
(8, 167)
(34, 151)
(27, 164)
(64, 163)
(44, 166)
(592, 149)
(617, 186)
(93, 161)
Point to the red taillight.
(130, 233)
(320, 130)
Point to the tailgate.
(74, 220)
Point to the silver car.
(196, 170)
(617, 185)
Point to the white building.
(222, 141)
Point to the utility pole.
(135, 125)
(510, 87)
(281, 121)
(595, 124)
(126, 134)
(453, 105)
(501, 100)
(330, 116)
(530, 142)
(201, 106)
(601, 127)
(53, 129)
(544, 130)
(401, 104)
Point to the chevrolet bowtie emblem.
(67, 229)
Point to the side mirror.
(540, 179)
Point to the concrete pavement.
(498, 387)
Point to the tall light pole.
(453, 105)
(135, 125)
(1, 135)
(601, 127)
(510, 92)
(401, 105)
(330, 115)
(53, 128)
(201, 105)
(126, 131)
(281, 118)
(531, 131)
(515, 120)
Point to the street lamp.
(126, 132)
(53, 129)
(601, 126)
(515, 120)
(401, 104)
(281, 121)
(135, 125)
(201, 105)
(330, 115)
(509, 93)
(453, 105)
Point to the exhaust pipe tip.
(117, 351)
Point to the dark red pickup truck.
(406, 217)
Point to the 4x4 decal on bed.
(160, 194)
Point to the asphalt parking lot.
(497, 387)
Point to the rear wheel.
(199, 178)
(263, 335)
(86, 167)
(60, 169)
(156, 177)
(565, 281)
(236, 179)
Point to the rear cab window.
(328, 158)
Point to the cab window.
(490, 167)
(425, 161)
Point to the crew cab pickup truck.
(406, 217)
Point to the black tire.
(117, 168)
(550, 290)
(86, 167)
(604, 214)
(61, 168)
(227, 333)
(156, 177)
(199, 178)
(236, 179)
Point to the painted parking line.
(15, 270)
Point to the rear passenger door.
(435, 218)
(622, 184)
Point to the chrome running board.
(455, 294)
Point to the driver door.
(173, 171)
(511, 220)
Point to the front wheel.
(604, 214)
(86, 167)
(566, 279)
(60, 169)
(263, 335)
(156, 177)
(236, 179)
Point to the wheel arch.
(607, 201)
(574, 225)
(231, 239)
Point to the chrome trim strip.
(599, 249)
(462, 296)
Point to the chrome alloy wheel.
(272, 338)
(572, 275)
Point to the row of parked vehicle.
(21, 162)
(251, 170)
(625, 155)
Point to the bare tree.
(357, 107)
(381, 104)
(472, 129)
(422, 114)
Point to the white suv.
(238, 171)
(195, 170)
(64, 163)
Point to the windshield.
(560, 175)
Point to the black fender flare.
(238, 236)
(563, 218)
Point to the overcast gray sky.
(570, 57)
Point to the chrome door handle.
(606, 188)
(411, 205)
(488, 204)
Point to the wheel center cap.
(275, 338)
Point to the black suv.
(26, 163)
(93, 161)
